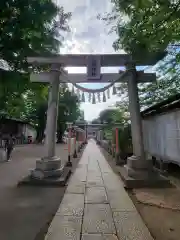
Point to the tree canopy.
(112, 117)
(36, 111)
(28, 28)
(32, 27)
(145, 28)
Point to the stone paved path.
(96, 206)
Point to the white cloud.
(89, 35)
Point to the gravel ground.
(26, 211)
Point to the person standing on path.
(9, 146)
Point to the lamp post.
(69, 163)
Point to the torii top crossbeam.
(80, 60)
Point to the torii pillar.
(134, 109)
(139, 170)
(50, 164)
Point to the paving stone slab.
(94, 180)
(111, 175)
(81, 171)
(99, 237)
(93, 156)
(65, 228)
(113, 186)
(71, 205)
(82, 165)
(78, 179)
(94, 168)
(95, 183)
(79, 176)
(96, 195)
(120, 201)
(130, 226)
(98, 219)
(113, 183)
(105, 168)
(78, 188)
(94, 173)
(93, 162)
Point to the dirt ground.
(159, 208)
(25, 212)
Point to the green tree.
(12, 87)
(27, 28)
(145, 28)
(69, 111)
(106, 116)
(95, 121)
(112, 116)
(30, 27)
(35, 110)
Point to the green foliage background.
(28, 28)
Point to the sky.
(89, 35)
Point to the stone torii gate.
(138, 167)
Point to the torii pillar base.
(48, 172)
(47, 168)
(139, 173)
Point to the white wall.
(162, 136)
